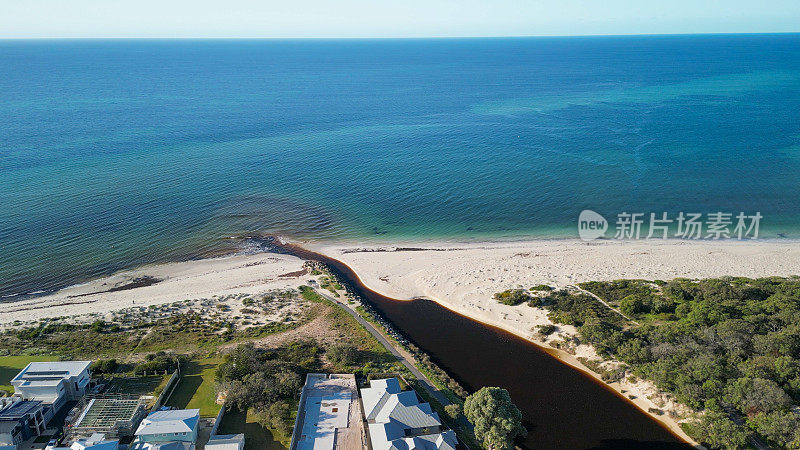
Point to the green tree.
(454, 411)
(97, 326)
(718, 431)
(780, 427)
(512, 297)
(635, 304)
(496, 419)
(756, 395)
(105, 366)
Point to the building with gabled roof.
(96, 441)
(398, 421)
(225, 442)
(163, 427)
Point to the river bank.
(463, 278)
(460, 278)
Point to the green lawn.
(256, 436)
(197, 388)
(11, 365)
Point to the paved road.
(409, 364)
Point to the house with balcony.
(52, 383)
(19, 421)
(168, 429)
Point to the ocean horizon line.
(389, 38)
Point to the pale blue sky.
(389, 18)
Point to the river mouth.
(562, 407)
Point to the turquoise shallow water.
(119, 153)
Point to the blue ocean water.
(118, 153)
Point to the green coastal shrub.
(546, 330)
(157, 362)
(512, 297)
(105, 366)
(542, 288)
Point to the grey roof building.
(398, 421)
(20, 421)
(225, 442)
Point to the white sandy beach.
(460, 276)
(242, 274)
(464, 277)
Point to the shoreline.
(158, 284)
(562, 356)
(368, 263)
(461, 277)
(252, 245)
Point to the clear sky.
(389, 18)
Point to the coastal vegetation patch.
(728, 348)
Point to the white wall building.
(398, 421)
(52, 383)
(96, 441)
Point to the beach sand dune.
(163, 283)
(464, 276)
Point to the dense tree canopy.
(268, 381)
(496, 419)
(726, 347)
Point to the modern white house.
(168, 429)
(52, 383)
(96, 441)
(328, 414)
(398, 421)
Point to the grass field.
(196, 388)
(256, 436)
(11, 365)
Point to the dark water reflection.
(562, 407)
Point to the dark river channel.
(563, 408)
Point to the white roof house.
(175, 421)
(323, 416)
(48, 381)
(398, 421)
(326, 415)
(225, 442)
(52, 383)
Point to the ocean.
(118, 153)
